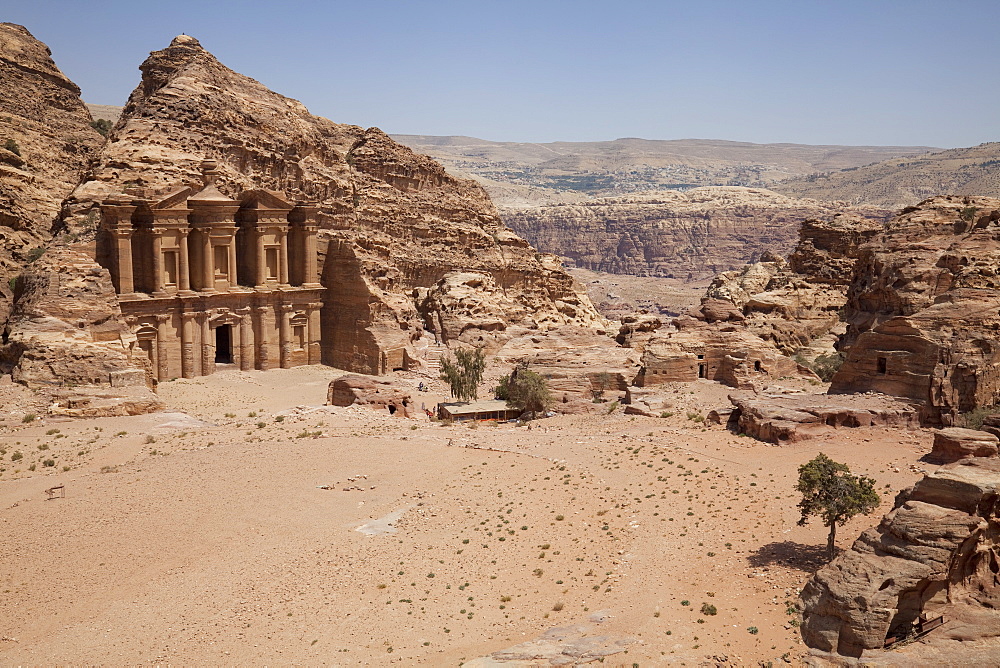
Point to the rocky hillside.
(687, 235)
(395, 222)
(903, 181)
(519, 174)
(45, 142)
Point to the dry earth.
(616, 295)
(225, 531)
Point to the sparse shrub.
(708, 610)
(35, 253)
(28, 417)
(280, 418)
(558, 606)
(974, 418)
(696, 417)
(150, 439)
(685, 603)
(102, 125)
(666, 414)
(16, 456)
(49, 462)
(752, 630)
(12, 146)
(612, 408)
(825, 366)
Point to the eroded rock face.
(691, 235)
(45, 142)
(394, 222)
(935, 553)
(924, 307)
(67, 338)
(956, 443)
(377, 393)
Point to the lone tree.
(465, 373)
(524, 390)
(830, 491)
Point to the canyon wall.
(688, 235)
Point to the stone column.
(283, 257)
(285, 335)
(187, 343)
(158, 290)
(162, 363)
(184, 271)
(311, 275)
(261, 257)
(207, 346)
(246, 339)
(313, 343)
(263, 338)
(208, 261)
(126, 283)
(232, 261)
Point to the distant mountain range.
(905, 181)
(520, 174)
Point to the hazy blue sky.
(820, 72)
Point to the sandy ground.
(616, 295)
(225, 531)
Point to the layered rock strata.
(45, 143)
(955, 443)
(393, 223)
(376, 393)
(690, 235)
(936, 553)
(924, 308)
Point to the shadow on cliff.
(806, 558)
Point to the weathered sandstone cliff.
(936, 553)
(689, 235)
(924, 309)
(45, 142)
(395, 223)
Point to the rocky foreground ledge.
(935, 554)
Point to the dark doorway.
(701, 370)
(881, 364)
(224, 344)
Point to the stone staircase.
(433, 356)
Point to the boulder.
(954, 443)
(377, 393)
(935, 553)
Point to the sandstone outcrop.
(787, 419)
(45, 143)
(376, 393)
(935, 553)
(67, 328)
(689, 235)
(394, 223)
(924, 307)
(954, 443)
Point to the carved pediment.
(263, 199)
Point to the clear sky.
(905, 72)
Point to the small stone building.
(204, 280)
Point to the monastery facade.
(203, 279)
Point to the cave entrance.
(224, 344)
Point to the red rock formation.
(955, 443)
(924, 309)
(395, 222)
(376, 393)
(936, 553)
(45, 142)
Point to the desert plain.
(251, 524)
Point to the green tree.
(527, 391)
(831, 492)
(465, 373)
